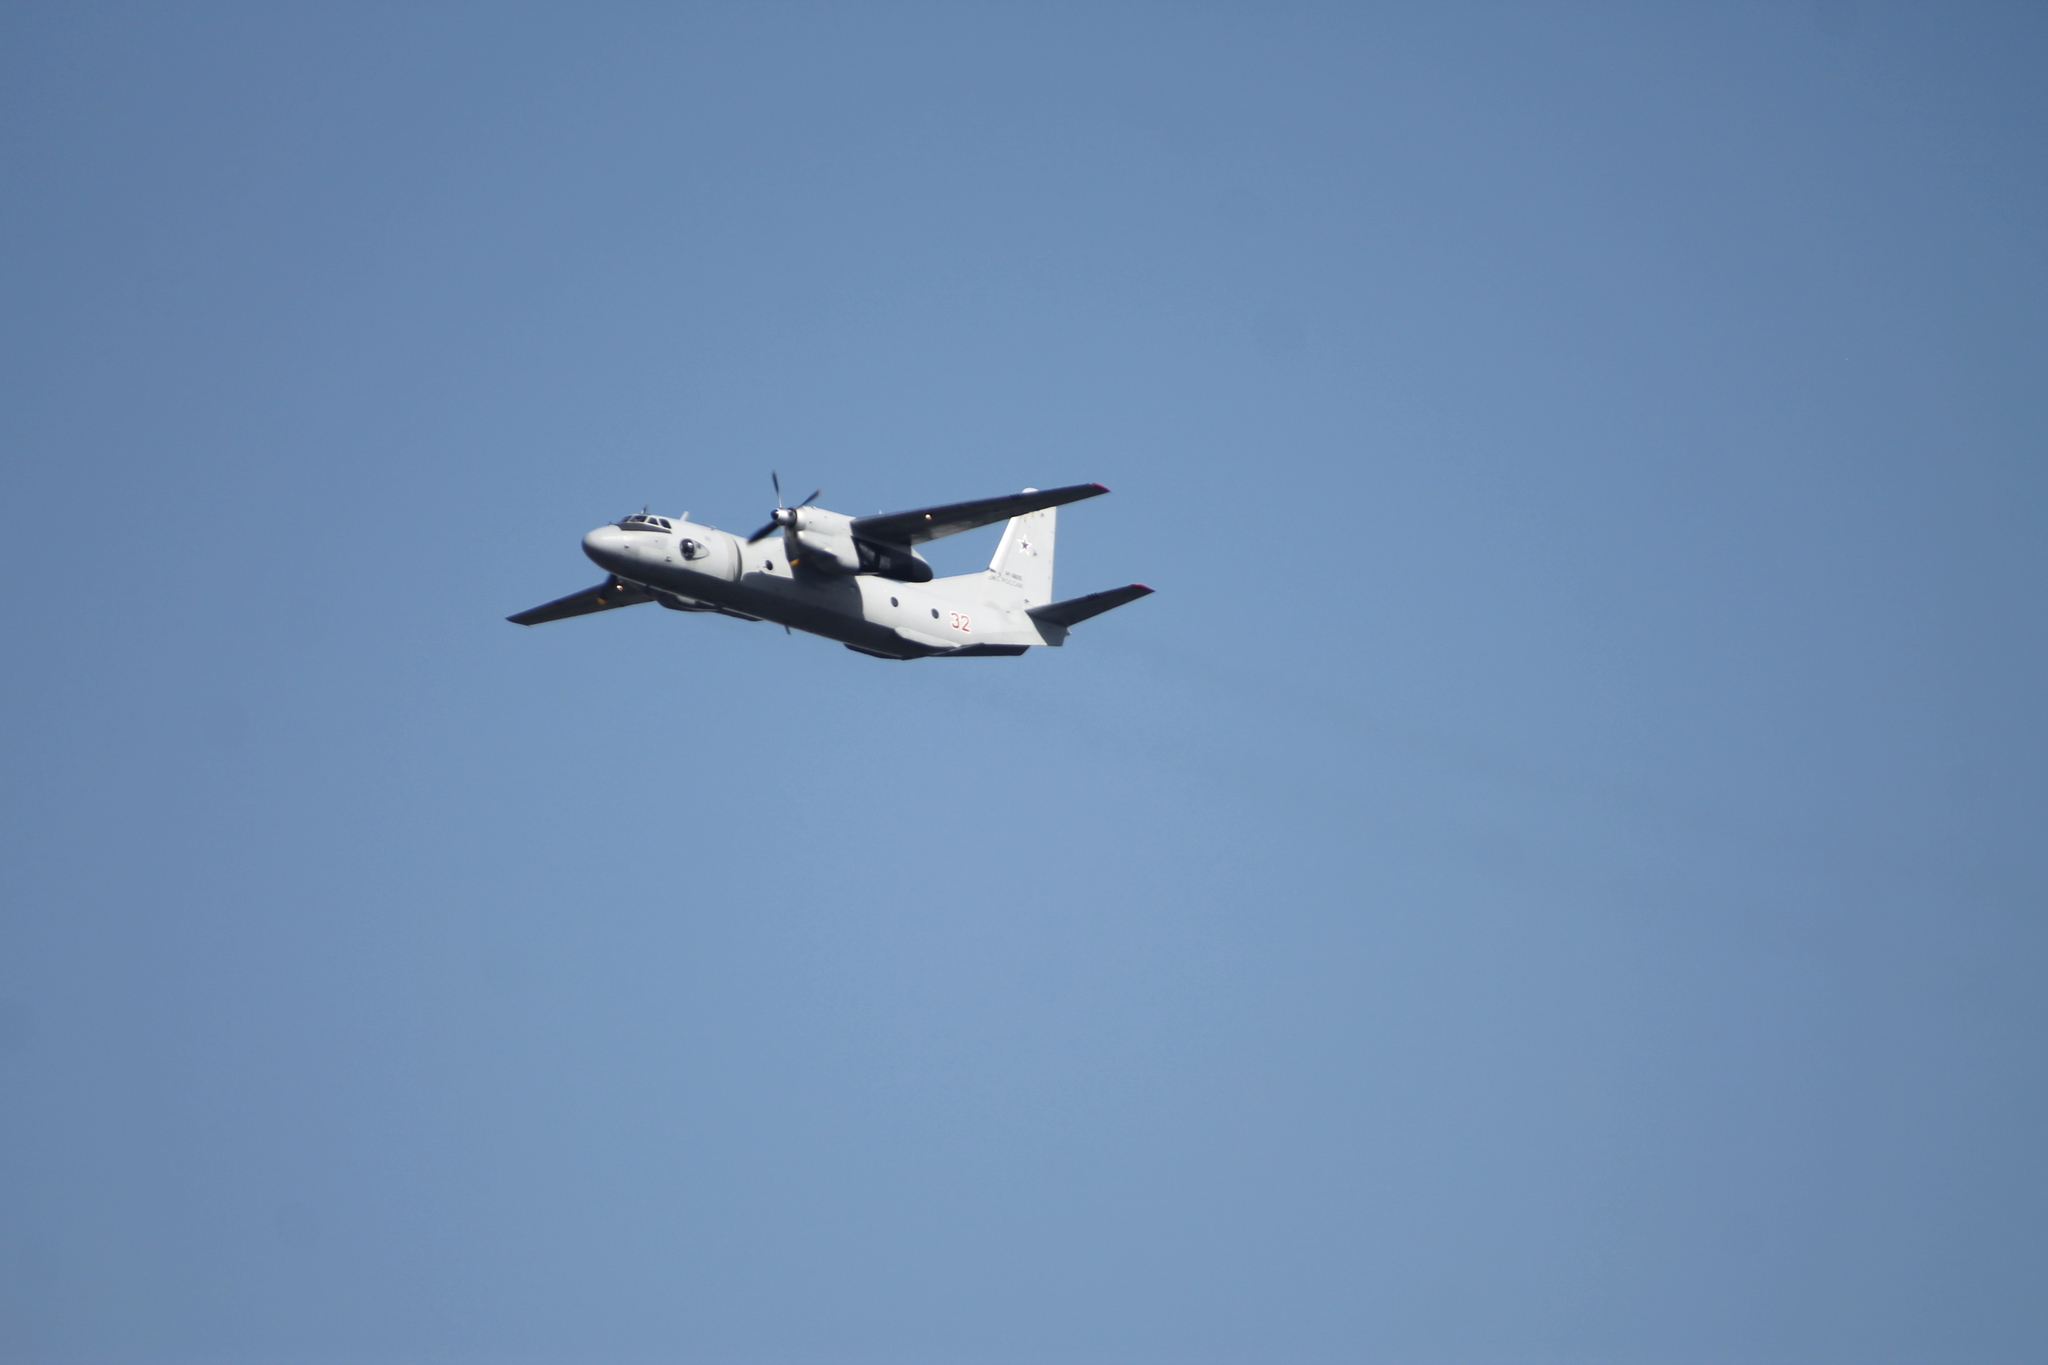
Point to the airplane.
(857, 580)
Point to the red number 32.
(960, 623)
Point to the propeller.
(784, 516)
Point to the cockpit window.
(640, 521)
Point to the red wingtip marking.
(1098, 488)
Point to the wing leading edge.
(931, 523)
(604, 597)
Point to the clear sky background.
(1557, 873)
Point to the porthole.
(894, 603)
(935, 613)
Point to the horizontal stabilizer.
(930, 523)
(1075, 610)
(604, 597)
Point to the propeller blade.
(779, 508)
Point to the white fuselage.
(696, 568)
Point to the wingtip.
(1142, 588)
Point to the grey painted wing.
(604, 597)
(930, 523)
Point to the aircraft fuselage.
(857, 580)
(694, 568)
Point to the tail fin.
(1023, 560)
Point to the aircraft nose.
(603, 544)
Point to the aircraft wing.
(930, 523)
(605, 596)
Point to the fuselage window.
(893, 602)
(935, 613)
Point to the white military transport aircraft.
(858, 580)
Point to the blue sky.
(1555, 873)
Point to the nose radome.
(604, 542)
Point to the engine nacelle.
(831, 551)
(892, 561)
(825, 541)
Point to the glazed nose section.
(605, 545)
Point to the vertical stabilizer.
(1023, 560)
